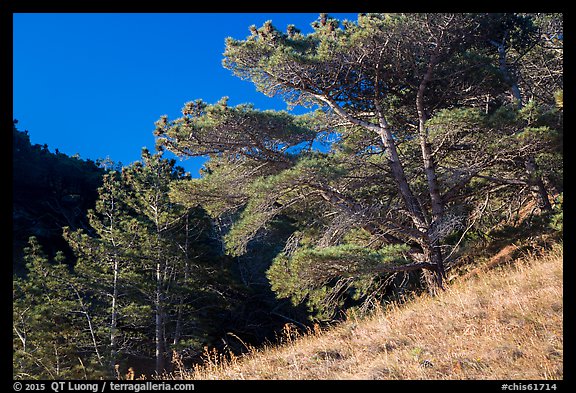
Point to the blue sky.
(94, 84)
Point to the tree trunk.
(508, 77)
(427, 158)
(432, 251)
(434, 279)
(538, 188)
(398, 173)
(383, 131)
(178, 329)
(437, 259)
(413, 207)
(433, 188)
(159, 322)
(114, 317)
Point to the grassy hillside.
(506, 323)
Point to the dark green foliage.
(52, 323)
(152, 267)
(50, 190)
(322, 277)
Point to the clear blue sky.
(94, 84)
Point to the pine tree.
(107, 268)
(421, 108)
(148, 266)
(161, 250)
(53, 332)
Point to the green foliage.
(233, 131)
(149, 267)
(359, 75)
(170, 262)
(439, 84)
(51, 331)
(107, 268)
(326, 277)
(222, 189)
(557, 217)
(291, 192)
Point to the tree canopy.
(429, 119)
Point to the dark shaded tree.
(50, 190)
(150, 267)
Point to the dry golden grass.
(501, 324)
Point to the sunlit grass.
(501, 324)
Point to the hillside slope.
(503, 324)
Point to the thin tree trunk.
(114, 317)
(178, 329)
(508, 77)
(383, 131)
(431, 249)
(427, 157)
(159, 309)
(399, 176)
(57, 356)
(22, 336)
(385, 134)
(159, 322)
(84, 311)
(437, 259)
